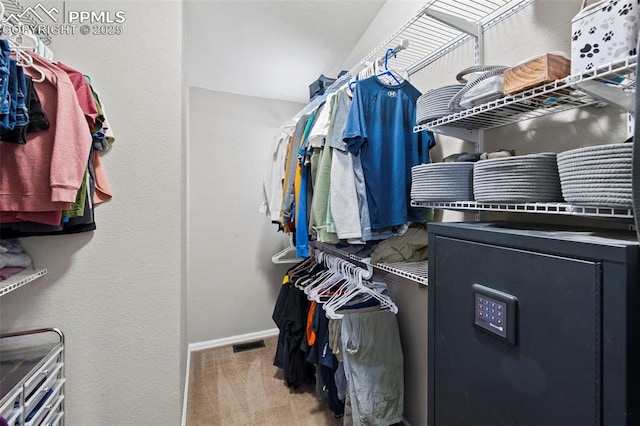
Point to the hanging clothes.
(274, 175)
(346, 212)
(373, 364)
(103, 138)
(290, 315)
(319, 202)
(33, 118)
(357, 359)
(84, 94)
(302, 191)
(291, 163)
(45, 173)
(380, 130)
(48, 179)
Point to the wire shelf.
(546, 208)
(430, 39)
(560, 95)
(413, 271)
(20, 279)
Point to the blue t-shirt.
(380, 129)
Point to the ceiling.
(272, 48)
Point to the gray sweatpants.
(373, 364)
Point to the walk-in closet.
(325, 212)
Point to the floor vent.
(248, 346)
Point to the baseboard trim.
(225, 341)
(199, 346)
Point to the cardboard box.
(537, 71)
(603, 33)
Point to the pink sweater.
(46, 172)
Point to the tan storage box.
(540, 70)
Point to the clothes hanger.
(341, 286)
(353, 83)
(348, 285)
(23, 59)
(300, 270)
(360, 288)
(288, 255)
(367, 72)
(364, 293)
(320, 259)
(302, 276)
(311, 273)
(302, 266)
(348, 271)
(386, 71)
(338, 286)
(325, 280)
(19, 45)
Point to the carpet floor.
(245, 388)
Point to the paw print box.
(603, 33)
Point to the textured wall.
(232, 284)
(115, 292)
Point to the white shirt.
(274, 175)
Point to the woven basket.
(442, 182)
(521, 179)
(597, 175)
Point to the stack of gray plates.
(435, 103)
(521, 179)
(442, 182)
(597, 175)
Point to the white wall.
(116, 292)
(393, 15)
(232, 283)
(271, 49)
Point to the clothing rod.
(403, 45)
(328, 259)
(340, 82)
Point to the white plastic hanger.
(359, 287)
(20, 43)
(325, 280)
(309, 284)
(348, 277)
(341, 278)
(288, 255)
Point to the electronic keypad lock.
(495, 313)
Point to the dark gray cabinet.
(532, 325)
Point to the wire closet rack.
(436, 29)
